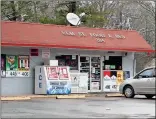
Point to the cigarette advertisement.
(112, 80)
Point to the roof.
(22, 34)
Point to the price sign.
(17, 74)
(23, 73)
(11, 73)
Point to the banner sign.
(3, 65)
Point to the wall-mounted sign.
(3, 65)
(46, 53)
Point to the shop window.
(113, 63)
(68, 60)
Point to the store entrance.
(92, 66)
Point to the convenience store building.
(96, 51)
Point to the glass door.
(95, 74)
(85, 67)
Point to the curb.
(14, 98)
(70, 96)
(43, 96)
(114, 95)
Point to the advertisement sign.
(23, 63)
(52, 73)
(58, 87)
(3, 65)
(11, 66)
(11, 63)
(112, 80)
(63, 73)
(119, 77)
(23, 66)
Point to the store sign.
(99, 37)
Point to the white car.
(141, 84)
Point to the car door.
(142, 83)
(152, 82)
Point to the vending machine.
(52, 80)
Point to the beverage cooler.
(52, 80)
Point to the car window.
(148, 73)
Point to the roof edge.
(65, 26)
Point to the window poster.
(3, 63)
(120, 77)
(23, 63)
(17, 66)
(11, 66)
(23, 66)
(11, 63)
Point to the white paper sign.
(95, 85)
(83, 82)
(79, 82)
(46, 53)
(3, 73)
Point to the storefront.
(103, 54)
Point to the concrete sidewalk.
(71, 96)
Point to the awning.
(21, 34)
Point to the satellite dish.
(73, 19)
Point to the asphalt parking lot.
(93, 107)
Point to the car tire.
(129, 92)
(149, 96)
